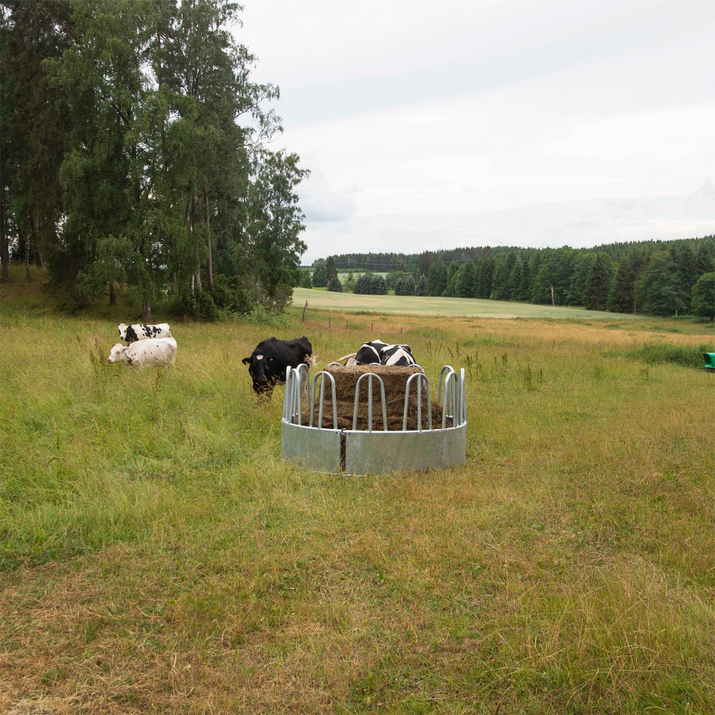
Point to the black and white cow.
(397, 355)
(270, 360)
(379, 353)
(369, 353)
(133, 333)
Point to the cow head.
(117, 353)
(122, 328)
(262, 374)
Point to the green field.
(157, 556)
(423, 305)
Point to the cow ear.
(246, 361)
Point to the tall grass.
(654, 353)
(158, 556)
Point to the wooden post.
(305, 307)
(371, 324)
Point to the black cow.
(270, 360)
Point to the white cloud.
(322, 203)
(493, 122)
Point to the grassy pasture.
(157, 556)
(423, 305)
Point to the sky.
(493, 122)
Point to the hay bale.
(394, 409)
(394, 378)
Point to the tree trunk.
(146, 311)
(209, 267)
(28, 277)
(4, 249)
(39, 259)
(197, 279)
(112, 294)
(553, 302)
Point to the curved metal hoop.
(370, 376)
(421, 378)
(323, 373)
(447, 369)
(450, 404)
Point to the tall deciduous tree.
(34, 124)
(275, 220)
(166, 170)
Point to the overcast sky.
(431, 125)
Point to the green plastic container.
(709, 361)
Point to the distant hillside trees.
(703, 298)
(437, 280)
(405, 286)
(660, 289)
(349, 283)
(369, 284)
(320, 276)
(133, 154)
(656, 277)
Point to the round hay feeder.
(373, 419)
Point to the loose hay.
(395, 381)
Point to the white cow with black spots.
(133, 333)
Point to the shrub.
(199, 306)
(229, 294)
(655, 353)
(349, 284)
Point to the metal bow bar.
(370, 376)
(421, 378)
(323, 374)
(296, 379)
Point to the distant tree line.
(654, 277)
(133, 154)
